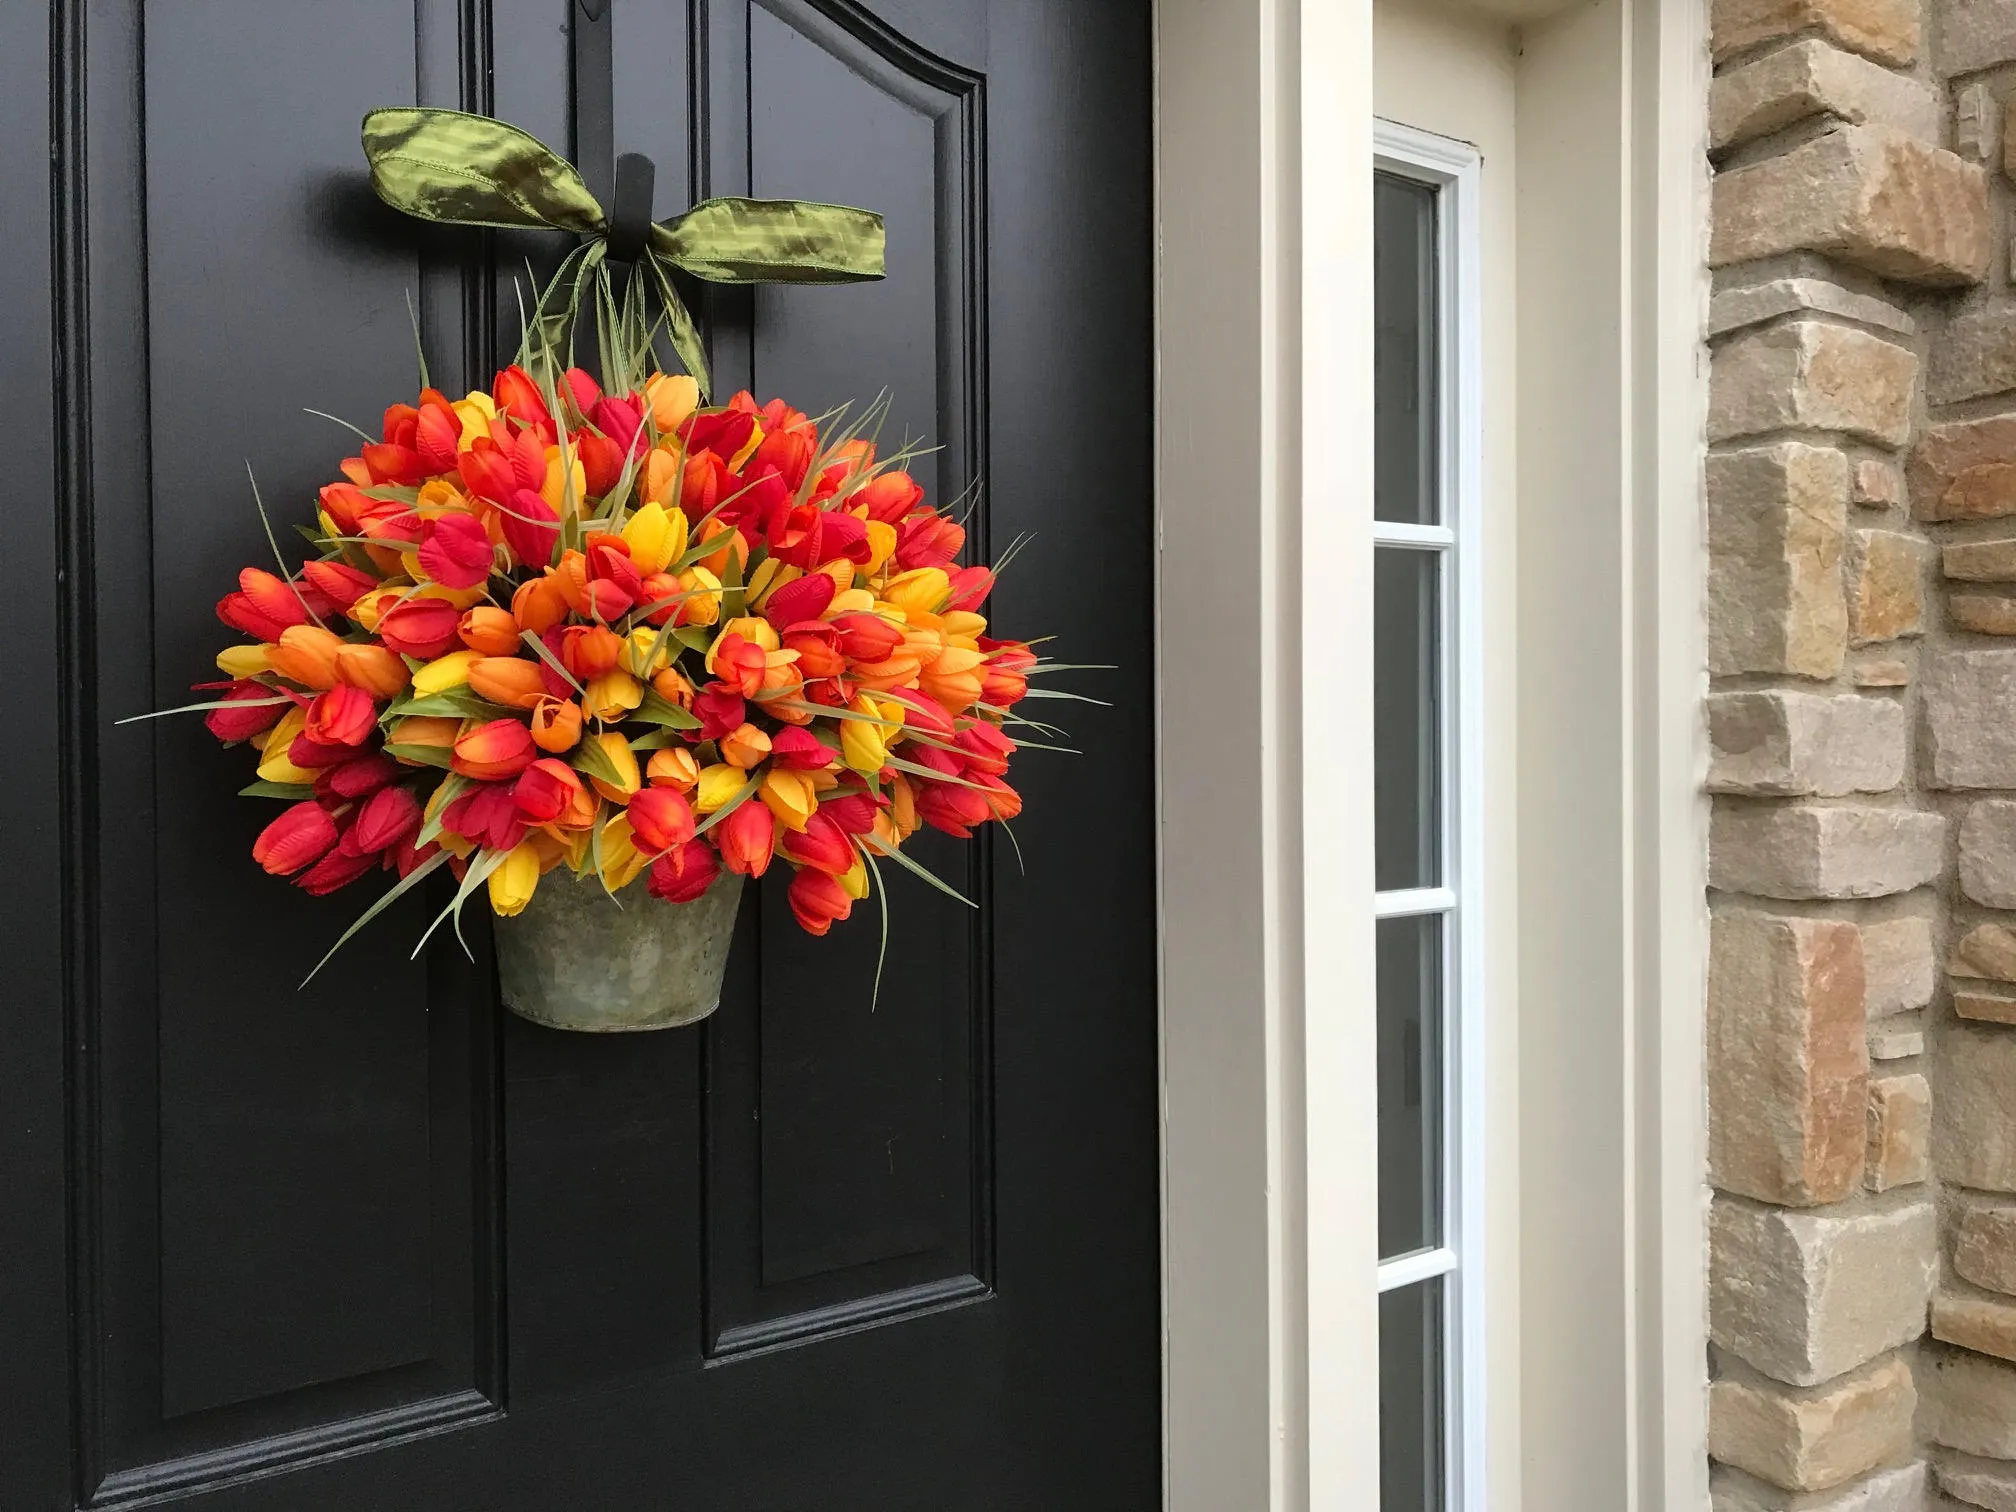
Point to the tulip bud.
(863, 745)
(302, 833)
(744, 746)
(673, 767)
(628, 779)
(387, 817)
(443, 673)
(656, 536)
(512, 681)
(746, 839)
(242, 723)
(420, 627)
(514, 880)
(638, 656)
(500, 748)
(242, 661)
(612, 695)
(621, 859)
(661, 818)
(716, 785)
(305, 654)
(789, 795)
(674, 686)
(489, 631)
(538, 606)
(556, 725)
(343, 716)
(371, 667)
(684, 874)
(673, 397)
(703, 604)
(545, 790)
(817, 900)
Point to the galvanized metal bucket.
(576, 958)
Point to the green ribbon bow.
(445, 165)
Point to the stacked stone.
(1846, 234)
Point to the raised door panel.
(849, 1160)
(283, 1206)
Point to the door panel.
(376, 1244)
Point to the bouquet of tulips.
(550, 625)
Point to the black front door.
(376, 1244)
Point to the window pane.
(1410, 1084)
(1407, 830)
(1410, 1399)
(1403, 351)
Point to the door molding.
(1264, 128)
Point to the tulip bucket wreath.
(562, 637)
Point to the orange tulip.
(343, 716)
(954, 678)
(538, 605)
(306, 654)
(744, 746)
(556, 725)
(588, 651)
(661, 818)
(489, 630)
(674, 687)
(425, 730)
(374, 669)
(500, 748)
(817, 900)
(673, 767)
(508, 680)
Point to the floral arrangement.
(550, 626)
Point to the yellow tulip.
(704, 607)
(717, 784)
(881, 542)
(963, 626)
(621, 860)
(461, 598)
(372, 605)
(612, 695)
(443, 673)
(852, 601)
(854, 880)
(475, 412)
(617, 749)
(274, 765)
(921, 589)
(673, 397)
(637, 652)
(864, 746)
(242, 661)
(656, 536)
(513, 881)
(564, 483)
(771, 574)
(790, 796)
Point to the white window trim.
(1455, 169)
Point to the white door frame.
(1264, 478)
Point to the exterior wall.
(1861, 500)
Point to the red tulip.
(531, 528)
(817, 900)
(853, 812)
(500, 748)
(949, 807)
(746, 838)
(661, 818)
(345, 504)
(739, 664)
(487, 814)
(722, 432)
(545, 789)
(928, 540)
(343, 716)
(601, 462)
(867, 637)
(822, 845)
(420, 627)
(357, 777)
(387, 817)
(456, 552)
(620, 418)
(986, 748)
(316, 755)
(302, 834)
(803, 598)
(719, 709)
(397, 465)
(263, 606)
(518, 396)
(970, 587)
(582, 389)
(244, 723)
(682, 875)
(799, 750)
(889, 496)
(340, 583)
(487, 472)
(337, 869)
(436, 435)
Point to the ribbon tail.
(679, 325)
(740, 241)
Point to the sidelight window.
(1427, 780)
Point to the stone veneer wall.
(1861, 491)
